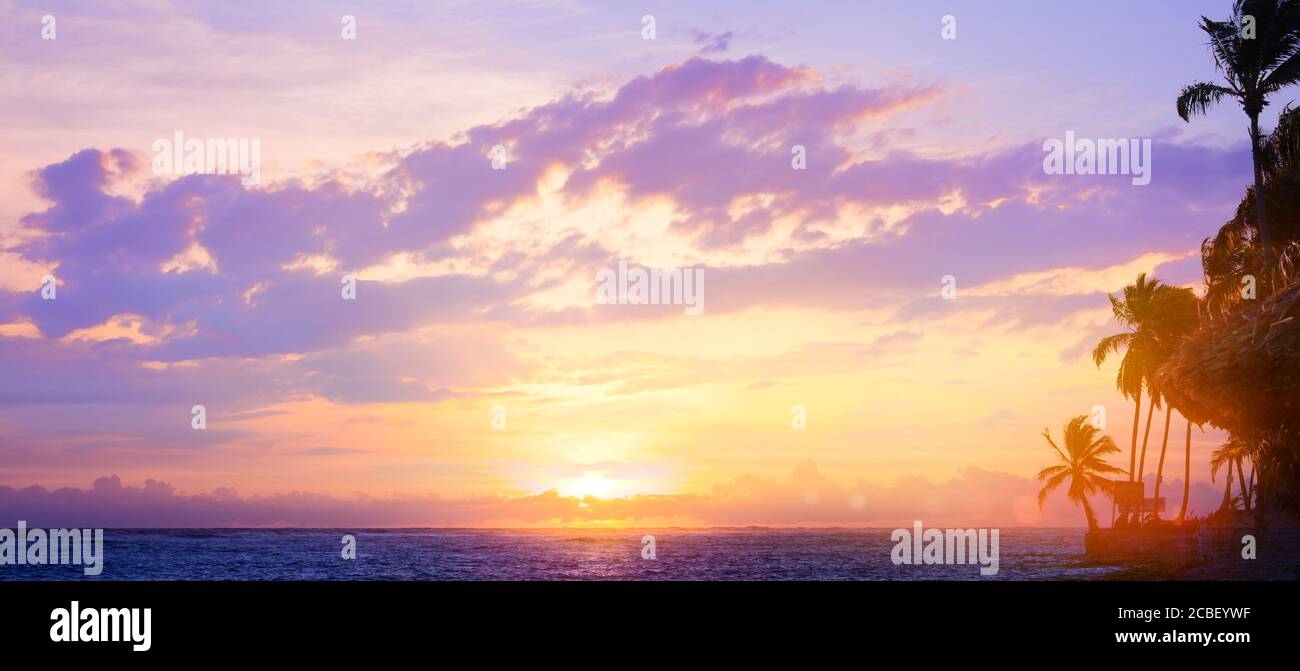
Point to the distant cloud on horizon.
(976, 497)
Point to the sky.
(476, 379)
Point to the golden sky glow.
(476, 369)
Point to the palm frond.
(1109, 344)
(1051, 470)
(1198, 98)
(1048, 435)
(1050, 486)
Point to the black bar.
(210, 620)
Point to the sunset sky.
(477, 286)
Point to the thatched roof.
(1241, 371)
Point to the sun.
(589, 484)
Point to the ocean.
(572, 554)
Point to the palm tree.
(1135, 309)
(1177, 313)
(1225, 455)
(1082, 464)
(1233, 254)
(1237, 452)
(1254, 67)
(1157, 317)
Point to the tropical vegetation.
(1082, 465)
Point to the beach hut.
(1241, 372)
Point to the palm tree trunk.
(1245, 493)
(1187, 473)
(1087, 511)
(1137, 420)
(1261, 216)
(1155, 498)
(1227, 493)
(1132, 454)
(1262, 497)
(1250, 487)
(1263, 487)
(1142, 461)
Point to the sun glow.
(590, 484)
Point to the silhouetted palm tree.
(1135, 309)
(1226, 455)
(1235, 452)
(1233, 255)
(1081, 463)
(1254, 67)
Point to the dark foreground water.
(456, 554)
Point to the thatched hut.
(1241, 372)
